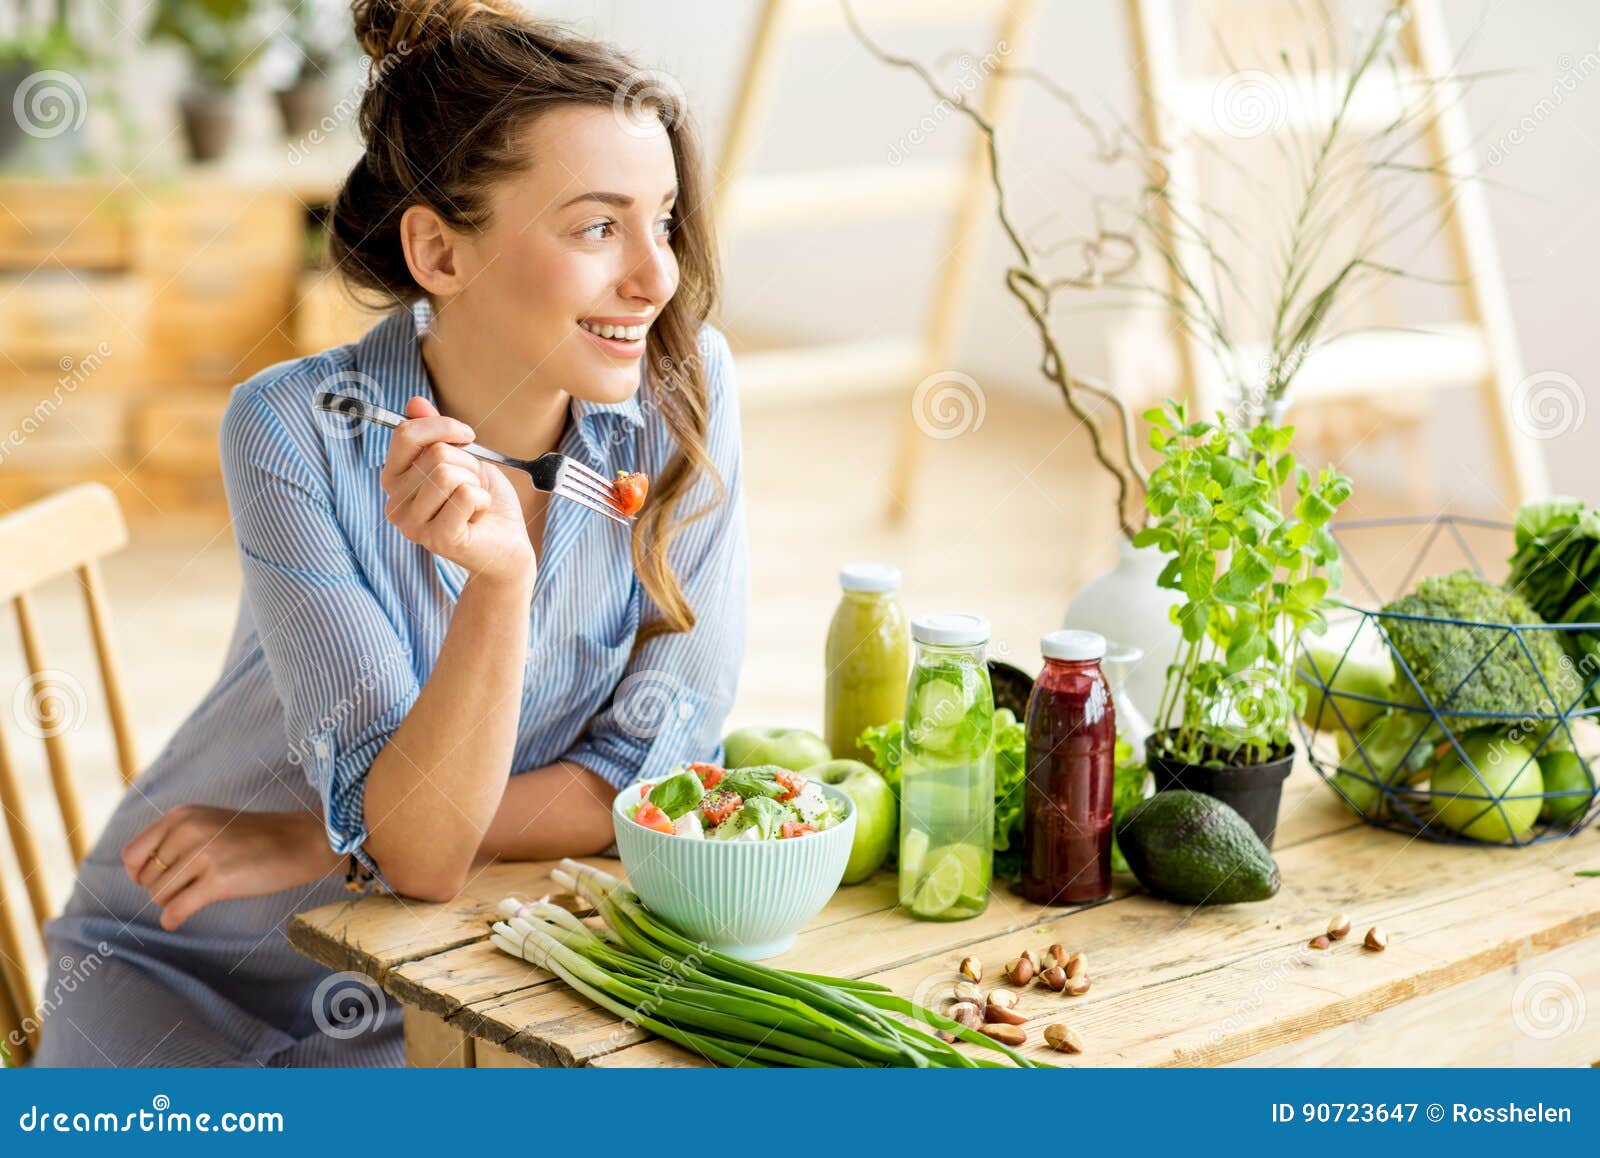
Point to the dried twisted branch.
(1105, 256)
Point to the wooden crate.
(223, 263)
(179, 433)
(54, 323)
(327, 315)
(62, 431)
(81, 225)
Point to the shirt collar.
(391, 371)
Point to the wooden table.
(1494, 959)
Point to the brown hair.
(453, 84)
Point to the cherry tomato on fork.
(630, 489)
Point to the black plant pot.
(11, 77)
(302, 106)
(208, 119)
(1252, 790)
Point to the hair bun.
(388, 26)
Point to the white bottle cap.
(950, 629)
(870, 577)
(1073, 645)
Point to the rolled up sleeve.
(676, 692)
(344, 674)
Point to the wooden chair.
(67, 532)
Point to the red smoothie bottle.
(1072, 743)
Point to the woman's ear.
(433, 250)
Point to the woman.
(435, 665)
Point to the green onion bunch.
(730, 1011)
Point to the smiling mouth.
(616, 333)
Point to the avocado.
(1192, 848)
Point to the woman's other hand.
(458, 507)
(196, 855)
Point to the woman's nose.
(652, 274)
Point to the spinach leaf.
(678, 794)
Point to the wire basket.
(1412, 762)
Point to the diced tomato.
(644, 789)
(792, 782)
(718, 806)
(710, 774)
(630, 489)
(794, 828)
(651, 816)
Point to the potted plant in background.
(1253, 576)
(221, 38)
(39, 84)
(313, 30)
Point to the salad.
(708, 802)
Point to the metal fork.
(553, 473)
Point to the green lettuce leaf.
(678, 794)
(1010, 748)
(766, 815)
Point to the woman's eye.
(665, 226)
(590, 233)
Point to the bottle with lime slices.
(947, 771)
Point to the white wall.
(837, 104)
(1537, 118)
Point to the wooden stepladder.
(847, 195)
(1376, 367)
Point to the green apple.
(1565, 772)
(1515, 789)
(793, 748)
(877, 817)
(1350, 659)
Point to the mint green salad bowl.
(747, 898)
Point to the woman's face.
(578, 246)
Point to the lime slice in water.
(941, 888)
(912, 849)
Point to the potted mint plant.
(1245, 532)
(221, 38)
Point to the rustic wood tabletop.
(1490, 956)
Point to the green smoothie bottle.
(947, 771)
(868, 658)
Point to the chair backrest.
(66, 533)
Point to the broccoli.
(1471, 670)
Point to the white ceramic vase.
(1125, 605)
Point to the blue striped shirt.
(351, 615)
(340, 625)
